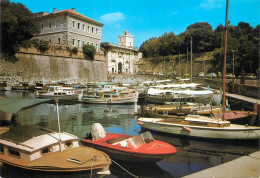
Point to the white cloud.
(173, 13)
(211, 4)
(112, 18)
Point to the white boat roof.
(152, 91)
(183, 85)
(199, 118)
(31, 138)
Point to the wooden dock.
(245, 166)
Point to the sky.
(145, 19)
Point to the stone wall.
(32, 67)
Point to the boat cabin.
(28, 143)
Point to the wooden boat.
(201, 126)
(34, 148)
(180, 108)
(177, 108)
(23, 86)
(4, 86)
(112, 97)
(139, 148)
(58, 92)
(3, 129)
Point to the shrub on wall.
(41, 45)
(74, 50)
(89, 51)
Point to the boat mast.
(224, 63)
(58, 115)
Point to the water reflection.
(77, 118)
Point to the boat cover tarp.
(11, 105)
(22, 133)
(97, 131)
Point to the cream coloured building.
(67, 27)
(122, 56)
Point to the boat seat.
(116, 140)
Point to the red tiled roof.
(75, 13)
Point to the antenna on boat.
(224, 65)
(58, 116)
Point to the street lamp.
(233, 76)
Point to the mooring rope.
(124, 169)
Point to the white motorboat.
(58, 92)
(201, 126)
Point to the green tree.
(89, 51)
(18, 25)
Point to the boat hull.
(236, 132)
(63, 97)
(58, 162)
(110, 101)
(145, 153)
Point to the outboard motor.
(97, 131)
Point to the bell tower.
(126, 40)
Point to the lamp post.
(233, 74)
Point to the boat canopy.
(183, 85)
(152, 91)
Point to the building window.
(78, 26)
(83, 27)
(92, 44)
(96, 30)
(96, 46)
(87, 42)
(73, 42)
(57, 23)
(88, 28)
(50, 40)
(83, 42)
(58, 40)
(73, 24)
(49, 24)
(41, 26)
(92, 30)
(78, 43)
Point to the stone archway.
(120, 67)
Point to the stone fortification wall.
(32, 67)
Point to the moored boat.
(4, 86)
(58, 92)
(34, 148)
(201, 126)
(112, 97)
(138, 148)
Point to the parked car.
(201, 74)
(211, 75)
(250, 76)
(230, 75)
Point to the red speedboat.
(142, 147)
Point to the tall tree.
(18, 25)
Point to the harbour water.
(77, 118)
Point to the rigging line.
(124, 169)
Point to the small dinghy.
(139, 148)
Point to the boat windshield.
(143, 138)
